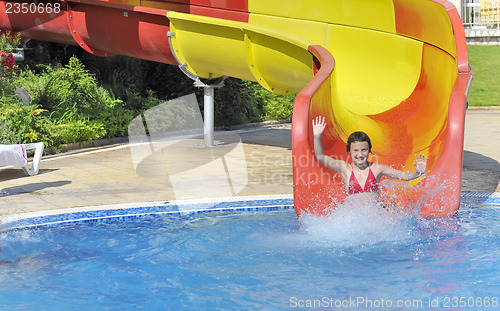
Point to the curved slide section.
(406, 88)
(396, 69)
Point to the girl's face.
(359, 152)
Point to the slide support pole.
(208, 115)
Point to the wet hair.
(358, 137)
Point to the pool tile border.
(480, 197)
(187, 207)
(120, 212)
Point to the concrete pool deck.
(107, 175)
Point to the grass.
(485, 62)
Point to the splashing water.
(359, 222)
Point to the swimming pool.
(254, 254)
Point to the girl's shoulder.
(377, 165)
(378, 168)
(346, 167)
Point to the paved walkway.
(481, 162)
(261, 164)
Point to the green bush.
(9, 100)
(7, 91)
(113, 115)
(24, 124)
(234, 103)
(58, 89)
(80, 130)
(275, 107)
(66, 106)
(169, 116)
(9, 41)
(71, 94)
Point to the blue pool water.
(362, 259)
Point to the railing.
(481, 13)
(481, 20)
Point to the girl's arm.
(420, 168)
(319, 126)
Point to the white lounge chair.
(15, 155)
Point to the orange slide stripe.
(425, 21)
(426, 105)
(234, 10)
(220, 13)
(234, 5)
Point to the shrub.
(66, 106)
(9, 41)
(24, 124)
(74, 100)
(113, 114)
(80, 130)
(58, 89)
(275, 107)
(234, 103)
(7, 90)
(169, 116)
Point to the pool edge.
(140, 209)
(181, 207)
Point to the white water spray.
(357, 222)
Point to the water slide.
(395, 69)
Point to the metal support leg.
(208, 115)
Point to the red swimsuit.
(370, 184)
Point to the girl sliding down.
(362, 177)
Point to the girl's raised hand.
(319, 125)
(420, 164)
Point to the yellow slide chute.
(211, 48)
